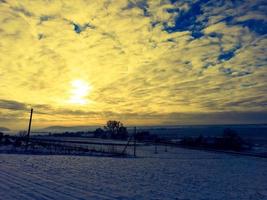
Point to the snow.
(176, 174)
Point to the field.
(176, 174)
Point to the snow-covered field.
(176, 174)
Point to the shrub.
(231, 140)
(7, 140)
(1, 136)
(143, 135)
(18, 142)
(99, 132)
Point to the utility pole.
(29, 129)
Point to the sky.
(143, 62)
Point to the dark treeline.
(229, 140)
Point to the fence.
(59, 146)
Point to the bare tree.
(116, 129)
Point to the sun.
(80, 89)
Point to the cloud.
(12, 105)
(142, 58)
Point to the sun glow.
(80, 89)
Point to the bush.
(18, 142)
(188, 141)
(7, 140)
(143, 135)
(231, 140)
(122, 133)
(1, 136)
(99, 132)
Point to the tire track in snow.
(32, 188)
(49, 186)
(14, 195)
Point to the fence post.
(156, 147)
(166, 149)
(134, 141)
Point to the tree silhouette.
(116, 129)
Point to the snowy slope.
(176, 174)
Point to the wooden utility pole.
(29, 129)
